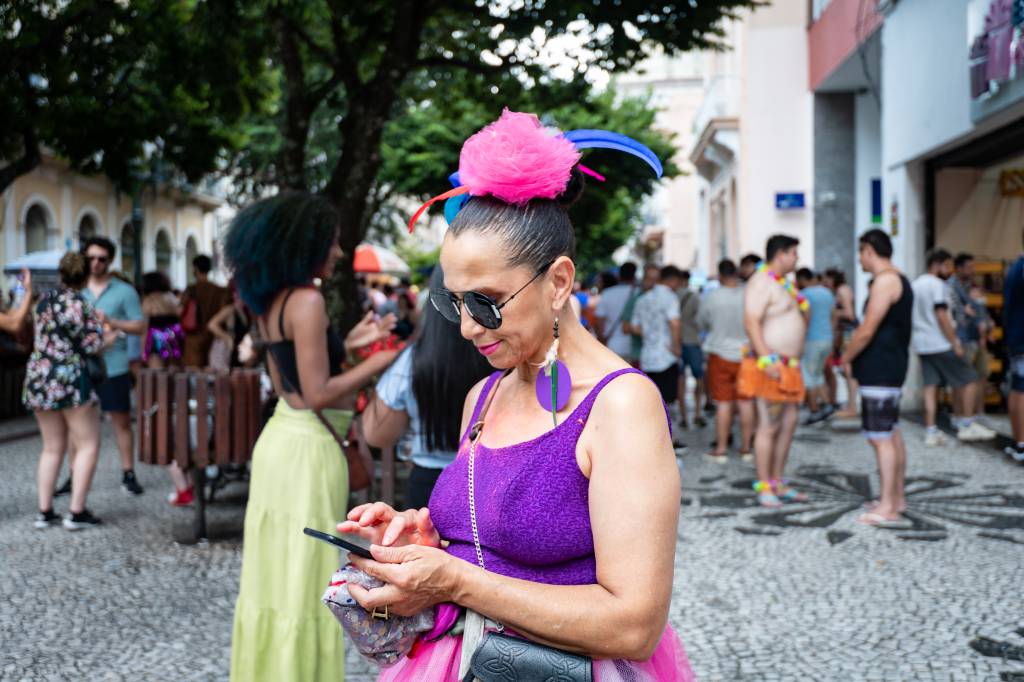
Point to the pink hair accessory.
(591, 172)
(516, 159)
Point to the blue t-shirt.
(822, 302)
(395, 390)
(1013, 308)
(119, 301)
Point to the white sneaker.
(935, 439)
(975, 432)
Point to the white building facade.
(753, 145)
(53, 207)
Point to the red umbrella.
(373, 258)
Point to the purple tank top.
(532, 502)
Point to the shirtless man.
(776, 327)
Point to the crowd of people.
(775, 337)
(92, 333)
(523, 402)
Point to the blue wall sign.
(789, 200)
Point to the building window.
(36, 229)
(191, 251)
(86, 227)
(163, 253)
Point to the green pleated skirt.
(299, 478)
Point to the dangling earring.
(554, 385)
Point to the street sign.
(786, 201)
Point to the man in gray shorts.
(942, 354)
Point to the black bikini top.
(283, 352)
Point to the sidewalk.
(807, 593)
(798, 594)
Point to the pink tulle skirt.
(439, 662)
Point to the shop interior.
(975, 204)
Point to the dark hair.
(878, 241)
(939, 256)
(685, 274)
(278, 243)
(533, 234)
(608, 279)
(962, 259)
(750, 259)
(202, 263)
(670, 271)
(627, 270)
(73, 270)
(445, 366)
(389, 290)
(779, 242)
(804, 274)
(726, 268)
(837, 276)
(155, 283)
(101, 242)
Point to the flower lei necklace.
(801, 300)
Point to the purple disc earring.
(554, 384)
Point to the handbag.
(358, 477)
(94, 365)
(500, 657)
(96, 368)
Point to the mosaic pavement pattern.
(802, 593)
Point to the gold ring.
(378, 614)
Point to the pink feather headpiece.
(516, 159)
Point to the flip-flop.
(870, 505)
(879, 521)
(717, 458)
(793, 495)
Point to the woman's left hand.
(417, 578)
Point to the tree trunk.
(361, 130)
(297, 112)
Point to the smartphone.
(350, 543)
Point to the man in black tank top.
(879, 352)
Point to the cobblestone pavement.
(802, 594)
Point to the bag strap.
(475, 432)
(330, 429)
(622, 313)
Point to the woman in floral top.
(58, 390)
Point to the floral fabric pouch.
(382, 640)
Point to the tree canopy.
(346, 70)
(106, 84)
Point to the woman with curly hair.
(277, 249)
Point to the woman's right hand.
(383, 525)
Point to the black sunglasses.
(481, 307)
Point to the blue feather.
(605, 139)
(453, 206)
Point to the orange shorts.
(722, 376)
(754, 383)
